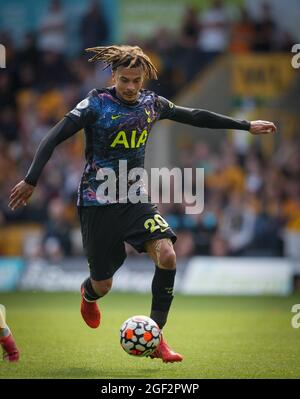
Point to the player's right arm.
(73, 122)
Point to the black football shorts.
(105, 229)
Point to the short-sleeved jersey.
(114, 131)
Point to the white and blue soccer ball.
(139, 336)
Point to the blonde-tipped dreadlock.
(129, 56)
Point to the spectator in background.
(237, 225)
(203, 157)
(187, 58)
(185, 245)
(218, 246)
(51, 104)
(86, 74)
(170, 77)
(53, 71)
(177, 218)
(189, 27)
(26, 76)
(7, 95)
(266, 29)
(8, 124)
(57, 234)
(254, 175)
(267, 229)
(242, 33)
(227, 175)
(213, 37)
(52, 31)
(185, 226)
(94, 28)
(29, 53)
(285, 41)
(7, 164)
(208, 223)
(28, 59)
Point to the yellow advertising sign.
(263, 75)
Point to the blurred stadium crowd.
(252, 203)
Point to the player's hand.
(20, 194)
(262, 127)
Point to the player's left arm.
(203, 118)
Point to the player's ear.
(113, 75)
(143, 77)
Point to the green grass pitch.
(219, 337)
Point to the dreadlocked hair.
(127, 56)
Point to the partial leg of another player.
(91, 291)
(162, 253)
(7, 342)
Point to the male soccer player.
(9, 348)
(117, 121)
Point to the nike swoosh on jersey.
(115, 116)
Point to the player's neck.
(123, 100)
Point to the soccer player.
(9, 348)
(117, 121)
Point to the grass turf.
(219, 337)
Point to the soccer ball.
(139, 336)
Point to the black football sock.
(162, 294)
(89, 294)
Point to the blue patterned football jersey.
(114, 131)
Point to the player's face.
(128, 82)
